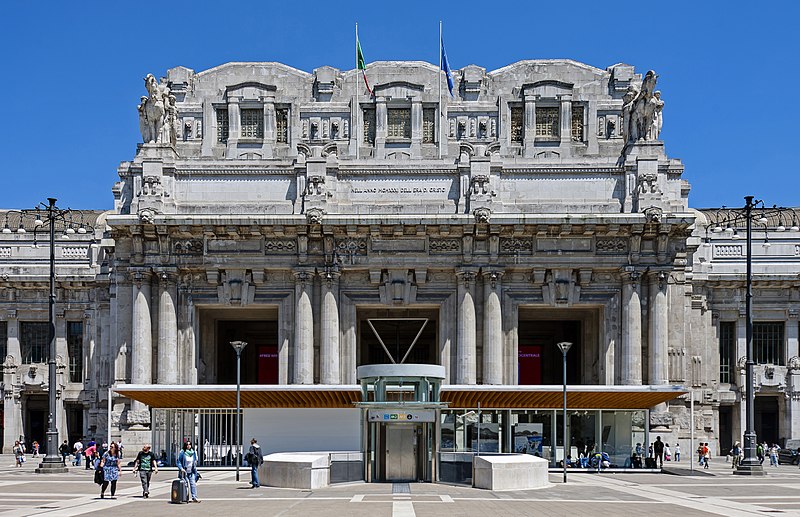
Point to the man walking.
(78, 450)
(658, 449)
(65, 451)
(146, 464)
(254, 459)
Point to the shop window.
(577, 123)
(768, 342)
(34, 341)
(516, 125)
(282, 125)
(727, 351)
(222, 125)
(399, 123)
(369, 125)
(252, 124)
(429, 125)
(75, 350)
(547, 122)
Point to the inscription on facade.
(398, 190)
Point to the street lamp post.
(238, 346)
(564, 346)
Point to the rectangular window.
(516, 125)
(428, 125)
(75, 350)
(577, 123)
(282, 125)
(399, 123)
(3, 341)
(547, 122)
(727, 351)
(252, 124)
(768, 342)
(33, 341)
(222, 125)
(369, 125)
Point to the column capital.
(140, 276)
(330, 276)
(631, 275)
(493, 276)
(167, 275)
(467, 274)
(659, 278)
(303, 275)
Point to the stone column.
(529, 130)
(659, 371)
(234, 122)
(565, 119)
(631, 346)
(381, 126)
(465, 349)
(141, 341)
(304, 329)
(329, 369)
(416, 127)
(167, 329)
(493, 338)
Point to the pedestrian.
(146, 464)
(700, 454)
(706, 456)
(19, 454)
(65, 450)
(78, 450)
(760, 453)
(677, 451)
(736, 454)
(35, 447)
(773, 455)
(254, 458)
(667, 452)
(110, 465)
(89, 452)
(187, 465)
(121, 448)
(658, 449)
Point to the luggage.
(180, 490)
(650, 463)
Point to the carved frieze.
(74, 252)
(187, 247)
(5, 252)
(351, 247)
(444, 246)
(280, 246)
(612, 246)
(515, 246)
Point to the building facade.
(331, 229)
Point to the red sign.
(267, 364)
(530, 364)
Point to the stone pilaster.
(141, 342)
(658, 329)
(329, 368)
(529, 131)
(466, 372)
(304, 329)
(167, 329)
(565, 119)
(493, 337)
(631, 345)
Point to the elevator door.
(401, 452)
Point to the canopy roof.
(348, 396)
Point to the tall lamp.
(564, 346)
(238, 346)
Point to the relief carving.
(513, 246)
(314, 215)
(444, 245)
(611, 246)
(188, 247)
(280, 246)
(482, 215)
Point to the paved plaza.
(716, 492)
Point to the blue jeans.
(78, 459)
(192, 484)
(254, 476)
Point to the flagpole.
(356, 110)
(439, 76)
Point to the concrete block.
(510, 472)
(296, 470)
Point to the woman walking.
(187, 465)
(19, 454)
(110, 465)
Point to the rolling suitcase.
(180, 490)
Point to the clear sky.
(72, 74)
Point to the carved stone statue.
(641, 111)
(157, 111)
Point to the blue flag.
(447, 72)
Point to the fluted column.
(167, 329)
(142, 336)
(304, 329)
(658, 336)
(329, 369)
(631, 349)
(492, 328)
(465, 349)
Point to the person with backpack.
(146, 464)
(254, 458)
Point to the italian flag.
(360, 65)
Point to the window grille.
(429, 125)
(369, 125)
(399, 123)
(252, 123)
(34, 341)
(547, 122)
(282, 125)
(577, 123)
(516, 124)
(768, 342)
(75, 350)
(222, 125)
(3, 341)
(727, 351)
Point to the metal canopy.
(347, 396)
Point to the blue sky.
(73, 74)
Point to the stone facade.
(296, 207)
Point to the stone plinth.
(510, 472)
(296, 470)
